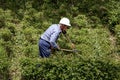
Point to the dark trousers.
(44, 48)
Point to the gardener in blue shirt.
(48, 39)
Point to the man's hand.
(72, 46)
(58, 48)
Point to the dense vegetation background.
(95, 31)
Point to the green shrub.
(30, 50)
(67, 68)
(5, 34)
(117, 32)
(94, 22)
(91, 42)
(22, 21)
(6, 38)
(4, 65)
(113, 14)
(30, 34)
(81, 21)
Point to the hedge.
(74, 68)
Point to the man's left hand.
(72, 46)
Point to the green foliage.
(23, 21)
(117, 31)
(74, 68)
(81, 21)
(95, 22)
(5, 34)
(91, 42)
(4, 64)
(31, 51)
(113, 14)
(29, 34)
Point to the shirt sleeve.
(53, 39)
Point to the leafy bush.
(5, 34)
(81, 21)
(91, 42)
(66, 68)
(117, 31)
(4, 64)
(22, 22)
(113, 14)
(6, 37)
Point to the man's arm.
(53, 40)
(68, 39)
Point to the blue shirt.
(51, 35)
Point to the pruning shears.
(68, 50)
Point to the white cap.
(65, 21)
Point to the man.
(48, 39)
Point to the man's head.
(64, 24)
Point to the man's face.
(64, 27)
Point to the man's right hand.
(58, 48)
(53, 49)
